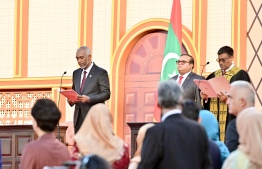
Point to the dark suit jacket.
(191, 90)
(176, 143)
(231, 139)
(96, 87)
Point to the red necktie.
(180, 80)
(83, 81)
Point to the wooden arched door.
(142, 75)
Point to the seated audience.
(96, 136)
(94, 162)
(46, 150)
(176, 142)
(139, 141)
(241, 97)
(249, 152)
(191, 111)
(210, 123)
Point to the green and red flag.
(172, 49)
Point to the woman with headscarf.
(96, 136)
(249, 152)
(210, 123)
(139, 141)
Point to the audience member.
(208, 120)
(231, 73)
(186, 76)
(96, 136)
(46, 150)
(139, 141)
(94, 162)
(210, 123)
(241, 96)
(249, 152)
(176, 142)
(191, 111)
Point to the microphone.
(60, 88)
(201, 75)
(58, 127)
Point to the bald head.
(241, 96)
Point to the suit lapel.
(187, 79)
(77, 81)
(89, 76)
(175, 77)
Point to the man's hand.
(70, 102)
(222, 97)
(83, 98)
(203, 95)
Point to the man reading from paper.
(91, 83)
(231, 73)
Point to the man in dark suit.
(176, 142)
(241, 97)
(91, 83)
(185, 65)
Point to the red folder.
(213, 86)
(69, 94)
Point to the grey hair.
(244, 90)
(87, 49)
(169, 94)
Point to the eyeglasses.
(223, 60)
(182, 62)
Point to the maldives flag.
(172, 49)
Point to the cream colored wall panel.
(102, 33)
(53, 37)
(7, 19)
(218, 30)
(138, 11)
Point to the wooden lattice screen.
(15, 107)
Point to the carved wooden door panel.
(142, 75)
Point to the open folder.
(213, 86)
(70, 94)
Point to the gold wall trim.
(239, 32)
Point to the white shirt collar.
(184, 77)
(88, 69)
(230, 67)
(169, 113)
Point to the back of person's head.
(96, 133)
(46, 114)
(190, 110)
(249, 127)
(94, 162)
(140, 137)
(226, 49)
(209, 122)
(169, 94)
(244, 90)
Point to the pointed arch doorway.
(142, 75)
(141, 78)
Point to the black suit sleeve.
(104, 89)
(198, 98)
(151, 151)
(207, 156)
(206, 104)
(232, 136)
